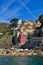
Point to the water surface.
(18, 60)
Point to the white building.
(38, 24)
(19, 22)
(1, 33)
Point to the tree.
(41, 27)
(14, 22)
(41, 19)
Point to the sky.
(21, 9)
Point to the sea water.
(21, 60)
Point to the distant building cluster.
(24, 32)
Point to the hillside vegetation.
(4, 28)
(5, 40)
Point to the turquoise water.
(25, 60)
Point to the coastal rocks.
(20, 52)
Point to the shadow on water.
(18, 60)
